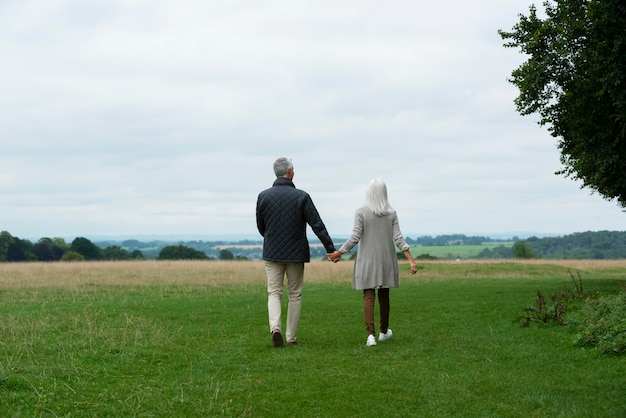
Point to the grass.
(162, 339)
(451, 252)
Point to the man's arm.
(317, 225)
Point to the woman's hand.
(334, 257)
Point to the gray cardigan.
(376, 262)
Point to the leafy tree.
(575, 79)
(181, 252)
(226, 254)
(47, 249)
(27, 247)
(15, 249)
(115, 252)
(60, 242)
(43, 251)
(59, 247)
(137, 255)
(86, 248)
(6, 239)
(15, 252)
(522, 250)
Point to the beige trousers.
(276, 273)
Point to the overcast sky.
(139, 118)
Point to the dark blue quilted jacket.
(282, 214)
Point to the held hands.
(334, 257)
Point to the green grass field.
(164, 339)
(451, 252)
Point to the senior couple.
(282, 214)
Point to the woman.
(376, 230)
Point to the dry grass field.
(218, 273)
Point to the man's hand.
(334, 257)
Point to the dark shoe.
(292, 343)
(277, 339)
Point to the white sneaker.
(386, 336)
(371, 340)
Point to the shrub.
(72, 256)
(602, 324)
(556, 310)
(424, 257)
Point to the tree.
(15, 252)
(6, 239)
(47, 249)
(181, 252)
(575, 79)
(43, 251)
(521, 249)
(86, 248)
(137, 255)
(115, 252)
(226, 254)
(59, 247)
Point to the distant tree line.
(212, 249)
(15, 249)
(57, 249)
(584, 245)
(600, 245)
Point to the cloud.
(153, 117)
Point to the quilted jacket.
(282, 214)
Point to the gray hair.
(376, 197)
(282, 166)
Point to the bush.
(557, 308)
(72, 256)
(424, 257)
(602, 324)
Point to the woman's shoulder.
(368, 211)
(363, 209)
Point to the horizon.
(311, 237)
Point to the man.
(282, 214)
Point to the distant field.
(455, 251)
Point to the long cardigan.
(376, 261)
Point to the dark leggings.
(369, 298)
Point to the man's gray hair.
(282, 166)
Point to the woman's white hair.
(376, 197)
